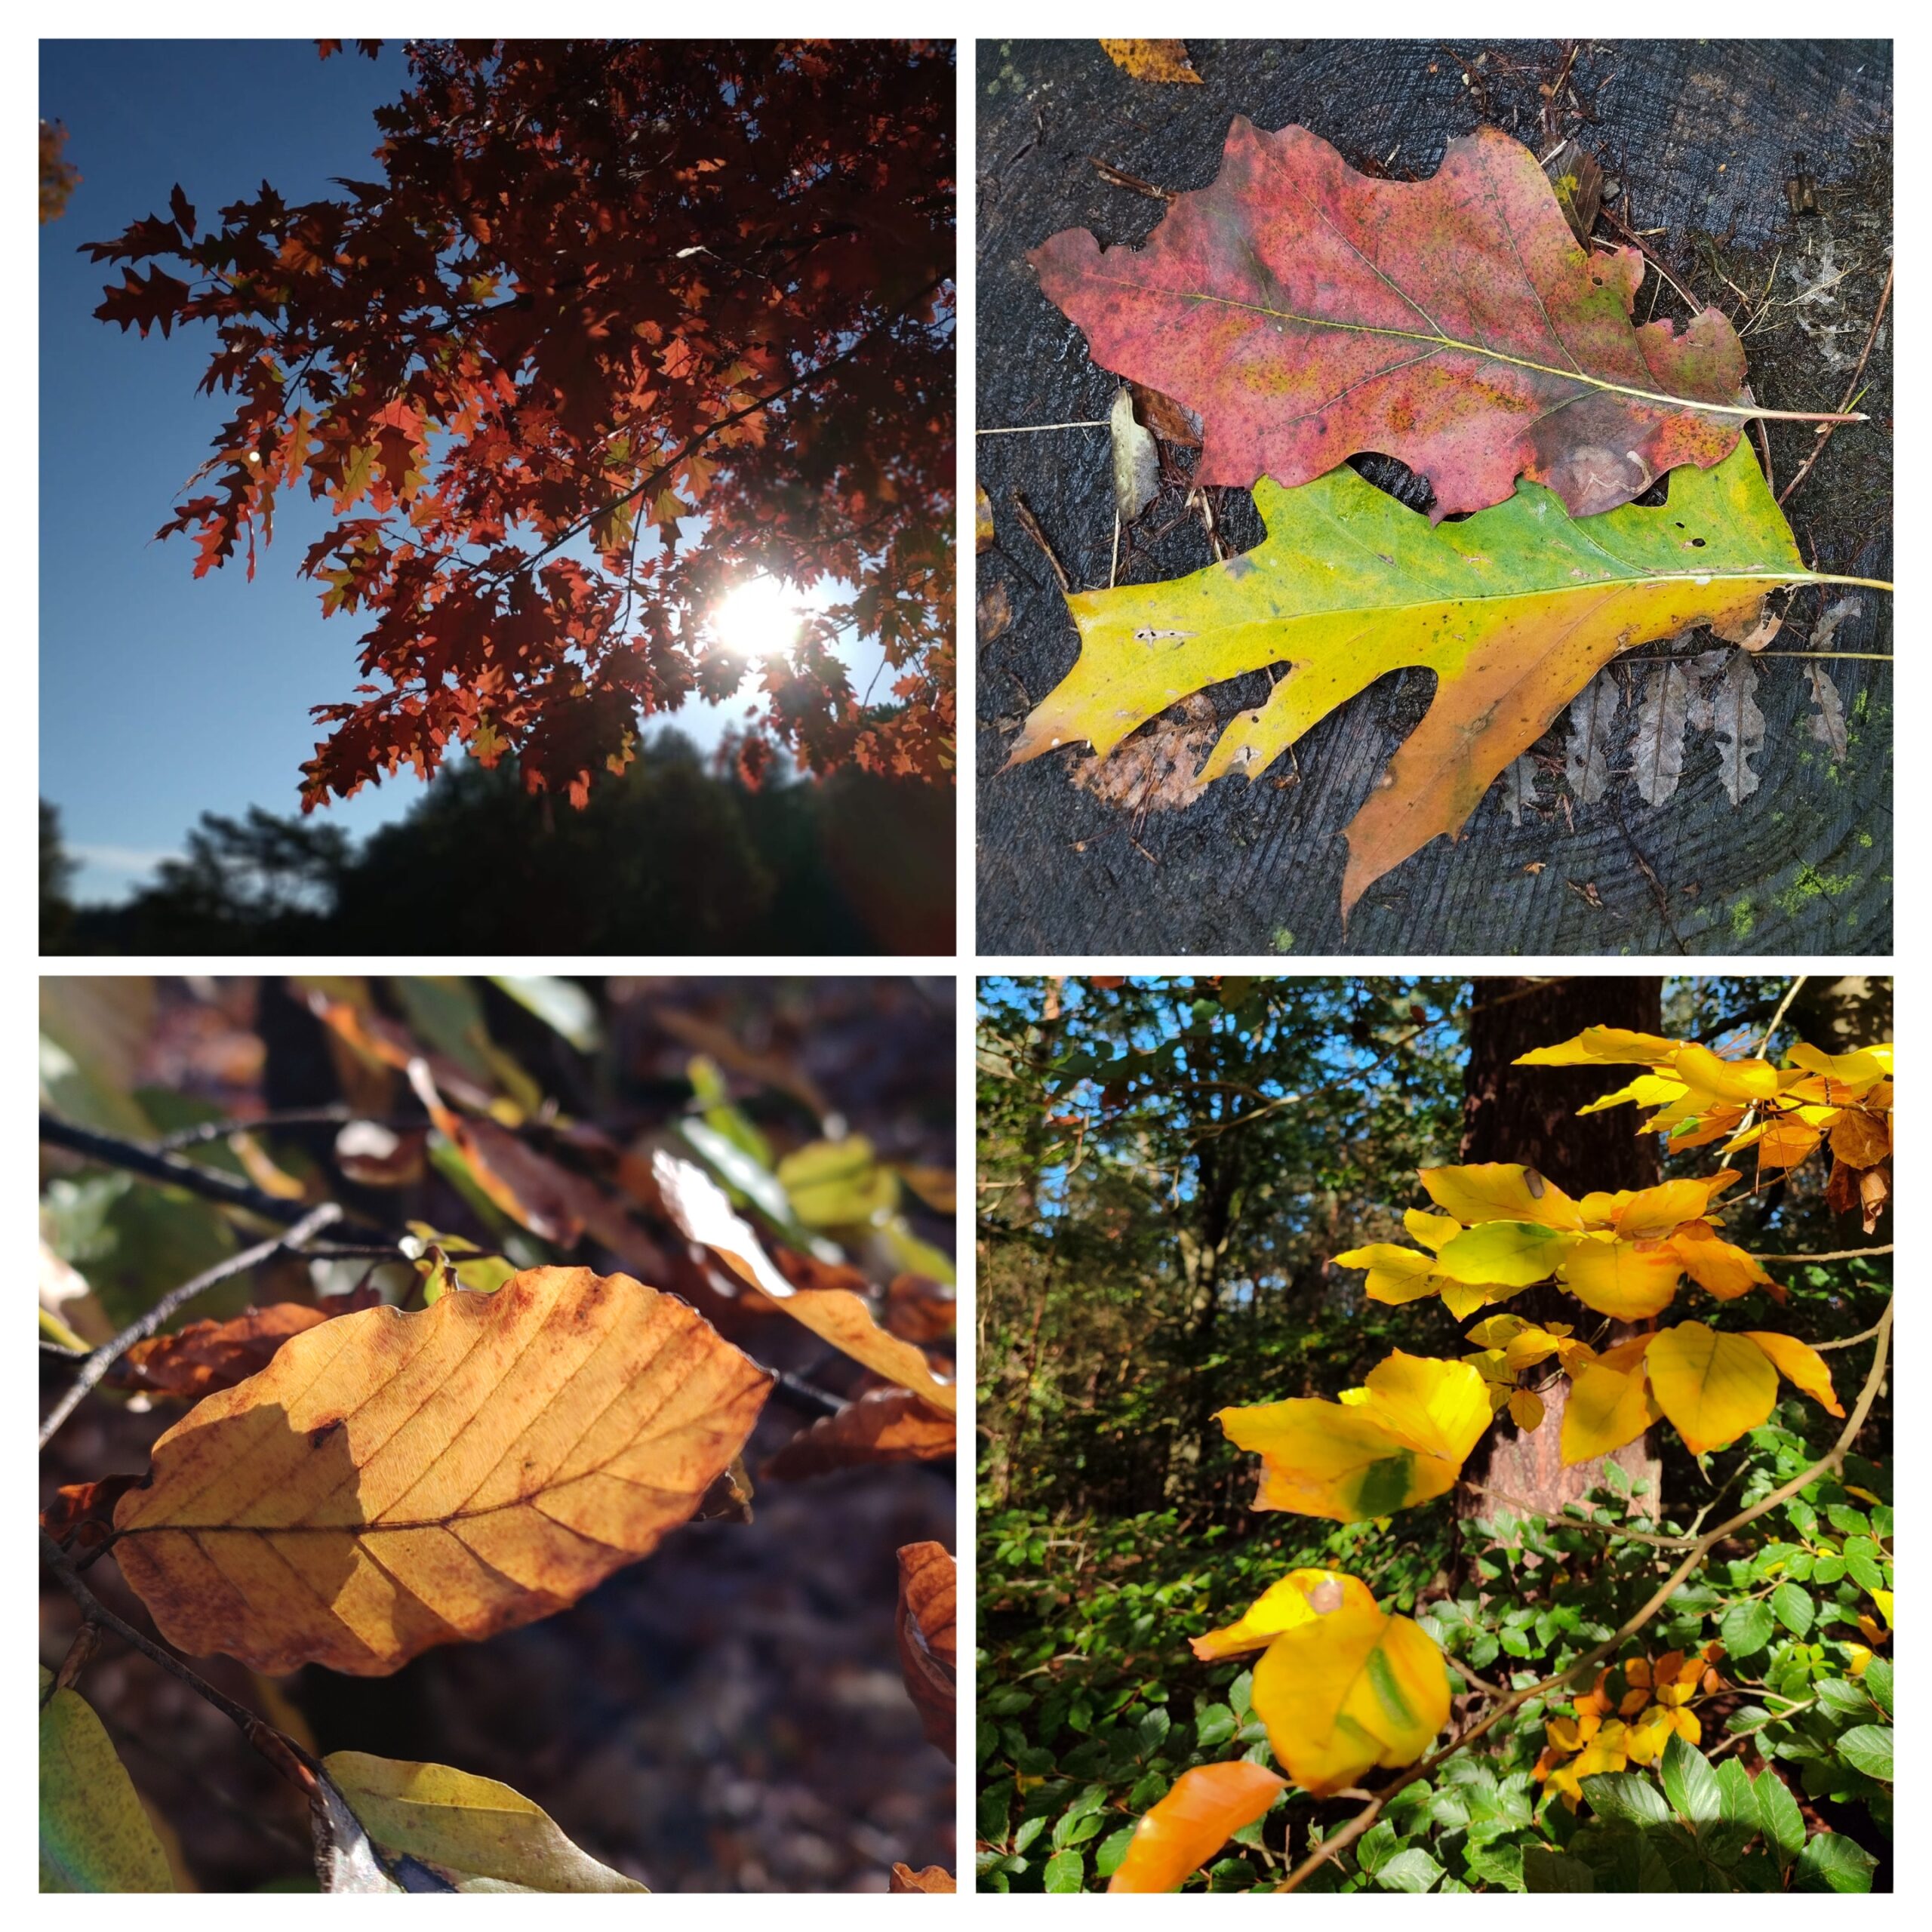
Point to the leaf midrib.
(1438, 341)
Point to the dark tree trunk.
(1529, 1114)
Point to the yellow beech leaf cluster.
(1401, 1439)
(1505, 1228)
(1627, 1717)
(1841, 1101)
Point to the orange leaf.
(883, 1425)
(928, 1640)
(698, 1205)
(934, 1878)
(1206, 1806)
(392, 1482)
(1152, 60)
(207, 1356)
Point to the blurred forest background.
(727, 1714)
(1166, 1167)
(670, 858)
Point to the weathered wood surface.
(1701, 138)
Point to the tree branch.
(1347, 1834)
(283, 1752)
(104, 1358)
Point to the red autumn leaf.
(598, 283)
(207, 1355)
(1307, 313)
(928, 1641)
(882, 1425)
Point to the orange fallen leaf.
(1152, 60)
(1206, 1806)
(928, 1639)
(983, 519)
(393, 1482)
(884, 1425)
(934, 1878)
(703, 1215)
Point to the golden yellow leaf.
(1860, 1139)
(1651, 1212)
(1395, 1275)
(1714, 1264)
(1785, 1141)
(1629, 1280)
(1856, 1073)
(1713, 1386)
(1710, 1077)
(1801, 1365)
(1608, 1407)
(1281, 1606)
(703, 1215)
(1603, 1046)
(1501, 1191)
(1350, 1689)
(1404, 1441)
(1152, 60)
(1204, 1808)
(1526, 1410)
(392, 1482)
(1430, 1231)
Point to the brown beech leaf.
(207, 1355)
(918, 1309)
(1307, 313)
(883, 1425)
(1167, 418)
(934, 1878)
(393, 1482)
(82, 1513)
(698, 1206)
(1153, 60)
(928, 1651)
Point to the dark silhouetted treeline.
(668, 860)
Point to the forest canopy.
(616, 334)
(1233, 1237)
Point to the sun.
(761, 618)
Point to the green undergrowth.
(1091, 1703)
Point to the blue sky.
(161, 697)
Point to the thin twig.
(335, 1114)
(1040, 429)
(170, 1170)
(1120, 178)
(1850, 1341)
(1031, 525)
(1345, 1835)
(282, 1751)
(1777, 1018)
(1561, 1521)
(104, 1358)
(1851, 388)
(1838, 1254)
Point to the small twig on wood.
(1120, 178)
(1345, 1835)
(1031, 525)
(1039, 428)
(104, 1358)
(1851, 388)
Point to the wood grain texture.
(1804, 865)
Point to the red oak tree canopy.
(599, 291)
